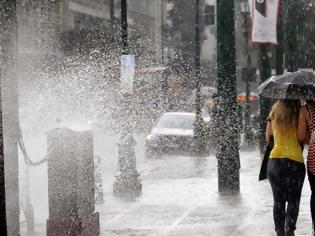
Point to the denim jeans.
(286, 178)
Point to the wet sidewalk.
(180, 201)
(180, 198)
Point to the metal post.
(265, 103)
(198, 127)
(291, 36)
(162, 29)
(279, 48)
(247, 126)
(124, 27)
(127, 185)
(3, 213)
(112, 12)
(227, 152)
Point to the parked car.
(172, 133)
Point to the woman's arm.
(302, 132)
(268, 133)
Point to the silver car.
(172, 133)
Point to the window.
(209, 15)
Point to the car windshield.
(176, 121)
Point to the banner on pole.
(127, 72)
(264, 20)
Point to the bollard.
(127, 184)
(71, 184)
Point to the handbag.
(264, 163)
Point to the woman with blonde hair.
(286, 169)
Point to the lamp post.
(127, 185)
(247, 126)
(112, 12)
(3, 212)
(291, 35)
(280, 37)
(198, 127)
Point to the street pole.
(9, 121)
(127, 185)
(291, 36)
(248, 136)
(112, 12)
(198, 126)
(124, 27)
(3, 213)
(227, 152)
(280, 46)
(265, 103)
(165, 73)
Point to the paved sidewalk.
(180, 198)
(191, 206)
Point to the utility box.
(71, 183)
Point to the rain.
(148, 117)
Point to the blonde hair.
(284, 114)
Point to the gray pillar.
(8, 46)
(71, 183)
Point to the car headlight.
(151, 137)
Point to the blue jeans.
(286, 178)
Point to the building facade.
(42, 21)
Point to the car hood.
(175, 132)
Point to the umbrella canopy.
(296, 85)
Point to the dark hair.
(294, 105)
(310, 102)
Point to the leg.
(294, 184)
(276, 181)
(311, 179)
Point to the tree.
(9, 194)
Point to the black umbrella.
(296, 85)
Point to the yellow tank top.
(286, 145)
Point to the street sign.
(249, 74)
(127, 72)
